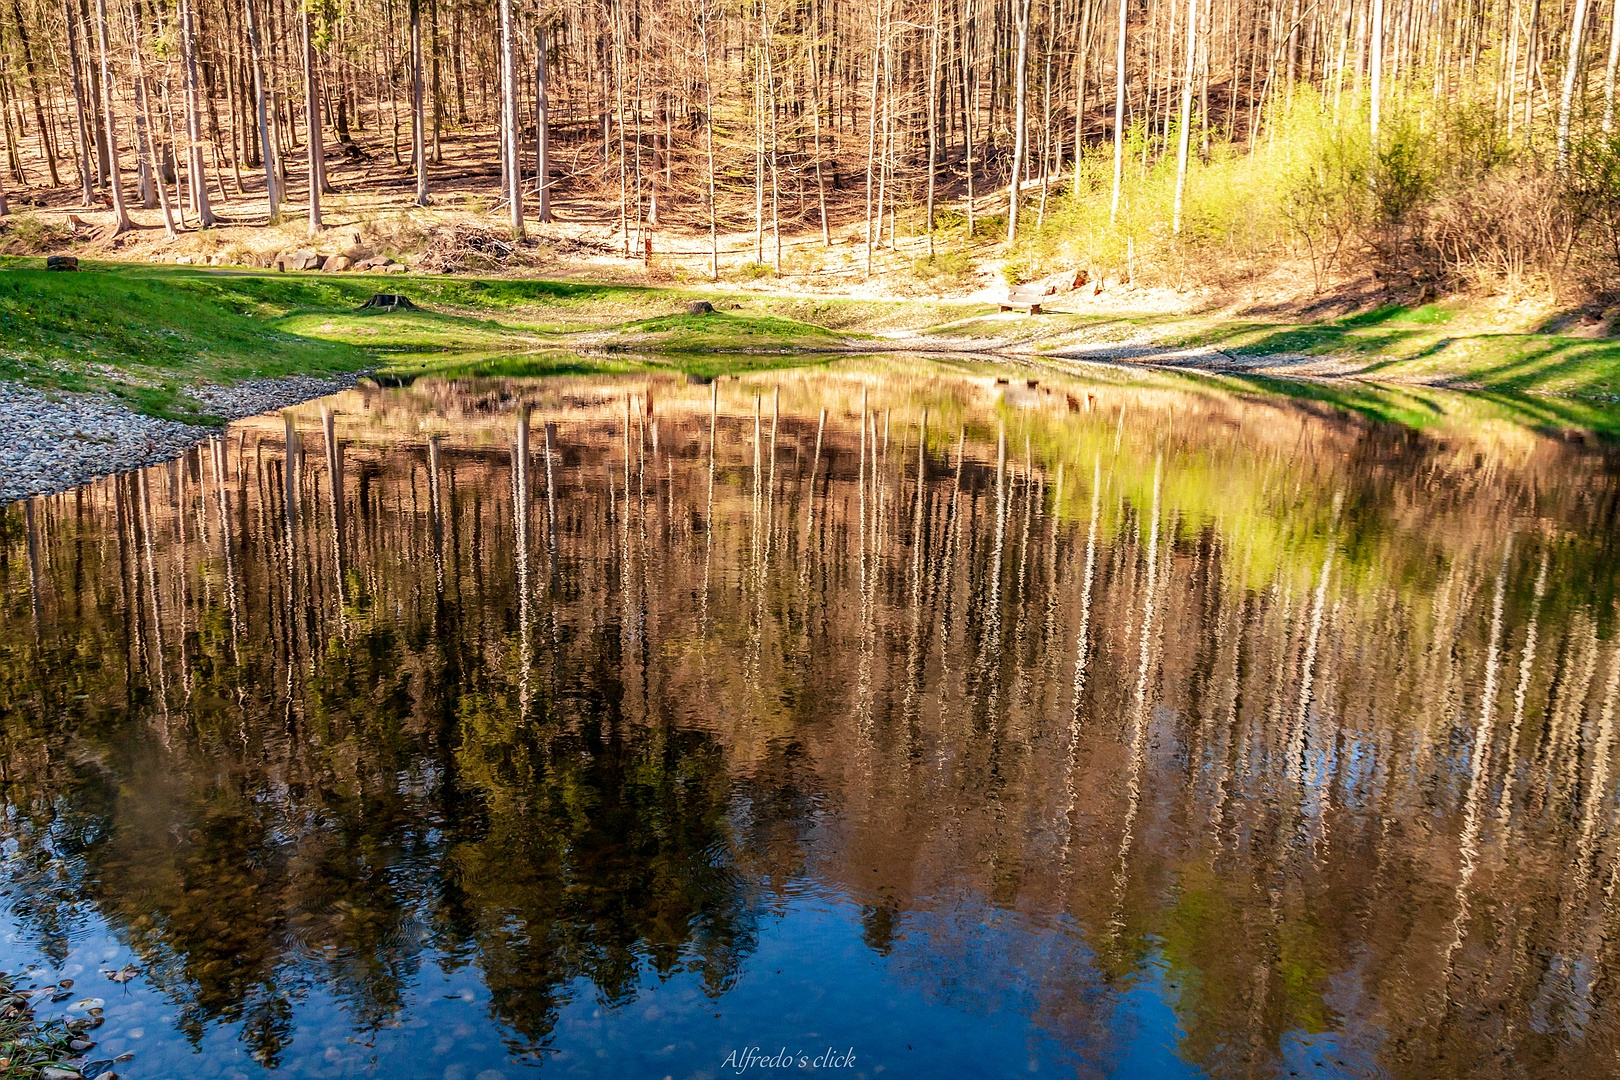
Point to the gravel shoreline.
(51, 442)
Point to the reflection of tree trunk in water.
(754, 543)
(179, 496)
(770, 491)
(1598, 790)
(708, 511)
(129, 600)
(1049, 634)
(1139, 721)
(643, 628)
(1298, 747)
(221, 499)
(1230, 739)
(953, 531)
(551, 496)
(914, 648)
(988, 674)
(33, 565)
(520, 524)
(1526, 662)
(334, 471)
(1272, 727)
(436, 518)
(810, 518)
(1561, 766)
(863, 671)
(1082, 650)
(144, 501)
(1479, 768)
(1571, 968)
(289, 475)
(1021, 673)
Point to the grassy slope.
(147, 333)
(1436, 344)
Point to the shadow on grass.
(1423, 407)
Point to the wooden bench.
(1024, 298)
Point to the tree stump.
(389, 302)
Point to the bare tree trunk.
(45, 148)
(815, 119)
(932, 90)
(195, 167)
(145, 139)
(121, 222)
(871, 133)
(1020, 136)
(1572, 77)
(1531, 50)
(1186, 114)
(1614, 61)
(512, 170)
(85, 182)
(418, 136)
(312, 121)
(269, 140)
(1119, 112)
(1082, 54)
(542, 126)
(434, 85)
(708, 136)
(770, 85)
(970, 105)
(1376, 62)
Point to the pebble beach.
(50, 442)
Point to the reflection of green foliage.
(603, 854)
(1214, 979)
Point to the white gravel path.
(51, 442)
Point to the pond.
(883, 717)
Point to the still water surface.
(615, 727)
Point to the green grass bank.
(148, 334)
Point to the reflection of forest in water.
(576, 677)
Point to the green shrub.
(1446, 200)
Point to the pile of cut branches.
(461, 249)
